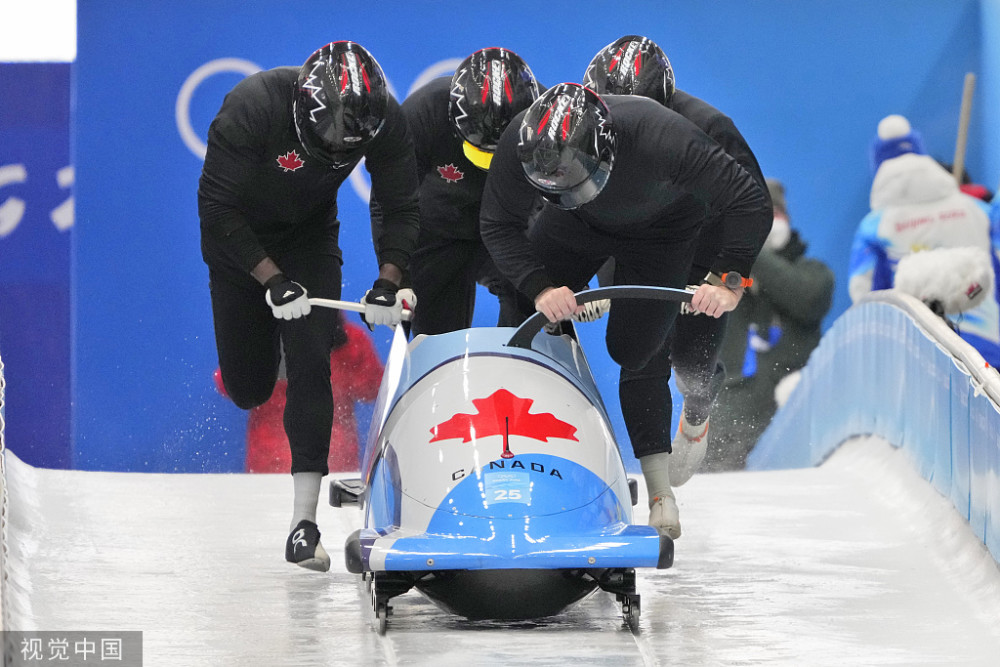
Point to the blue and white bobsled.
(492, 481)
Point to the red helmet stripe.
(545, 118)
(565, 126)
(637, 63)
(364, 77)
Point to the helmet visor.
(322, 139)
(568, 178)
(581, 193)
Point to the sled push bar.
(356, 306)
(530, 328)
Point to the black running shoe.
(304, 549)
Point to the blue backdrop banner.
(36, 218)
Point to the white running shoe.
(664, 517)
(688, 450)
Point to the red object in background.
(976, 190)
(355, 374)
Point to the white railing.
(3, 509)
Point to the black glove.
(287, 298)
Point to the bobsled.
(492, 481)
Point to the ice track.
(857, 562)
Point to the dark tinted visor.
(320, 140)
(577, 195)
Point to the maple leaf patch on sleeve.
(450, 173)
(290, 161)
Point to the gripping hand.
(715, 301)
(288, 299)
(381, 304)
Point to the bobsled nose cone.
(353, 559)
(666, 558)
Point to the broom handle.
(958, 166)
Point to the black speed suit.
(668, 176)
(450, 257)
(261, 195)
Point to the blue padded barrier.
(891, 368)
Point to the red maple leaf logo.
(450, 173)
(503, 413)
(290, 161)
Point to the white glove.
(288, 299)
(593, 310)
(382, 305)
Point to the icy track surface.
(857, 562)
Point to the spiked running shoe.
(304, 549)
(687, 451)
(664, 517)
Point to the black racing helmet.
(567, 145)
(340, 102)
(631, 65)
(488, 89)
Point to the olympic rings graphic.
(191, 139)
(182, 109)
